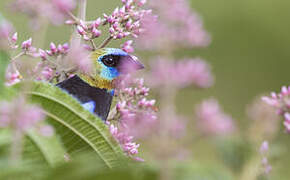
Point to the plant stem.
(105, 42)
(81, 16)
(93, 44)
(16, 147)
(82, 9)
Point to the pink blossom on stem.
(28, 48)
(20, 116)
(137, 114)
(264, 147)
(64, 6)
(127, 46)
(179, 25)
(46, 73)
(26, 44)
(125, 21)
(79, 58)
(281, 102)
(130, 147)
(12, 77)
(14, 37)
(265, 163)
(212, 120)
(181, 73)
(55, 50)
(54, 10)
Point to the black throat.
(85, 93)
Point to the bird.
(95, 91)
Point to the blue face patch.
(90, 106)
(115, 51)
(110, 73)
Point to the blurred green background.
(249, 53)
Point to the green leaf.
(39, 154)
(36, 147)
(79, 130)
(50, 147)
(83, 167)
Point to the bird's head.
(110, 63)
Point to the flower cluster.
(136, 114)
(176, 22)
(54, 10)
(57, 60)
(264, 120)
(263, 151)
(281, 102)
(89, 31)
(125, 21)
(182, 73)
(61, 49)
(21, 116)
(212, 120)
(125, 140)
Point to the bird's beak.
(129, 64)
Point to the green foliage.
(39, 153)
(235, 152)
(78, 130)
(200, 171)
(84, 167)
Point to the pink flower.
(265, 163)
(125, 21)
(20, 116)
(127, 46)
(131, 148)
(281, 102)
(179, 25)
(12, 76)
(212, 120)
(79, 58)
(54, 10)
(26, 45)
(264, 147)
(182, 73)
(137, 114)
(64, 6)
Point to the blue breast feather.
(90, 106)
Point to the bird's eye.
(110, 61)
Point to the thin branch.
(83, 9)
(105, 42)
(73, 17)
(17, 56)
(81, 16)
(93, 44)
